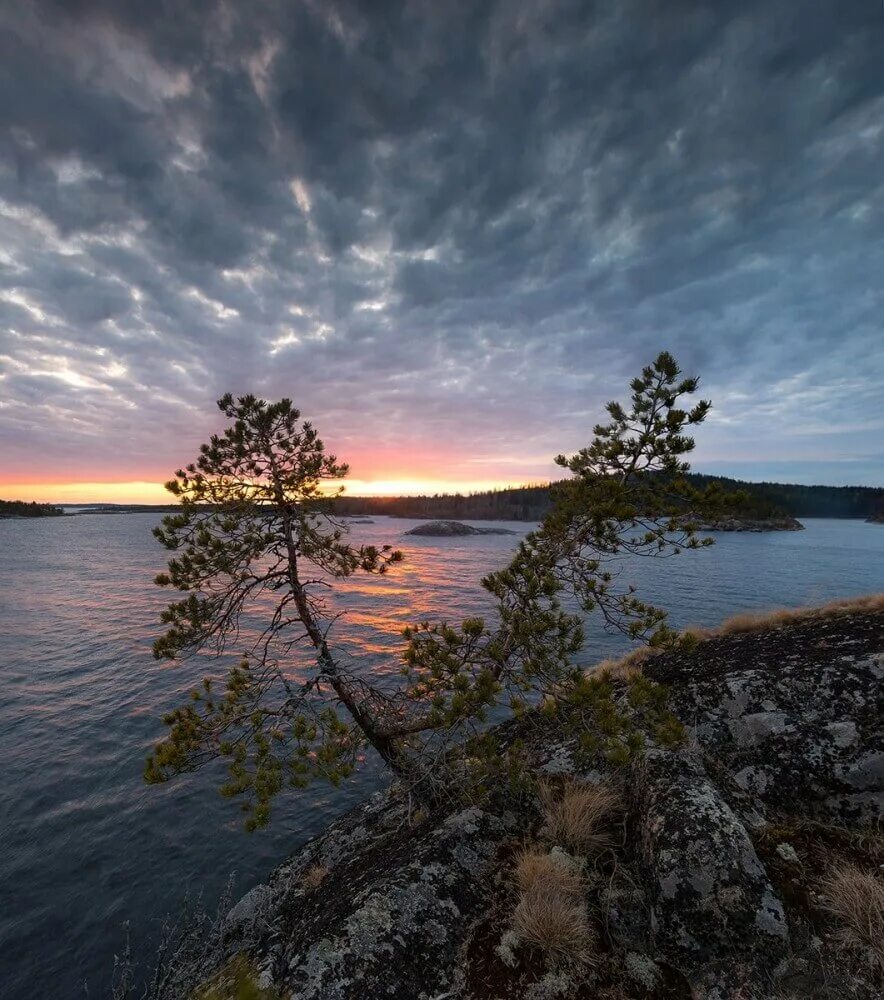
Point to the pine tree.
(257, 534)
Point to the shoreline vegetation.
(21, 508)
(764, 501)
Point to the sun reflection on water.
(86, 845)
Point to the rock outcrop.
(382, 919)
(713, 886)
(451, 529)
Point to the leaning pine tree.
(257, 538)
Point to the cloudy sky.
(449, 231)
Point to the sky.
(448, 231)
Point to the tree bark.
(386, 746)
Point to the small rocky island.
(742, 862)
(784, 522)
(454, 529)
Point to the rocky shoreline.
(712, 884)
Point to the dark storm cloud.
(465, 222)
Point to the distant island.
(21, 508)
(741, 522)
(125, 508)
(776, 503)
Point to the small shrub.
(670, 732)
(419, 816)
(610, 718)
(856, 897)
(578, 817)
(313, 877)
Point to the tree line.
(534, 502)
(21, 508)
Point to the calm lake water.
(84, 845)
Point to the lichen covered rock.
(390, 915)
(711, 891)
(714, 914)
(792, 713)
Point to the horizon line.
(410, 489)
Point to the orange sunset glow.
(380, 470)
(154, 492)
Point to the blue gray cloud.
(428, 222)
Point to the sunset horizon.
(153, 492)
(146, 492)
(387, 483)
(362, 367)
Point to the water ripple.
(85, 845)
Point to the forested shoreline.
(532, 503)
(21, 508)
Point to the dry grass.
(538, 871)
(551, 914)
(557, 924)
(627, 666)
(578, 816)
(755, 621)
(313, 877)
(865, 840)
(856, 897)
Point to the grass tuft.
(313, 877)
(557, 924)
(628, 666)
(238, 980)
(538, 871)
(578, 817)
(551, 913)
(856, 897)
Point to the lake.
(85, 845)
